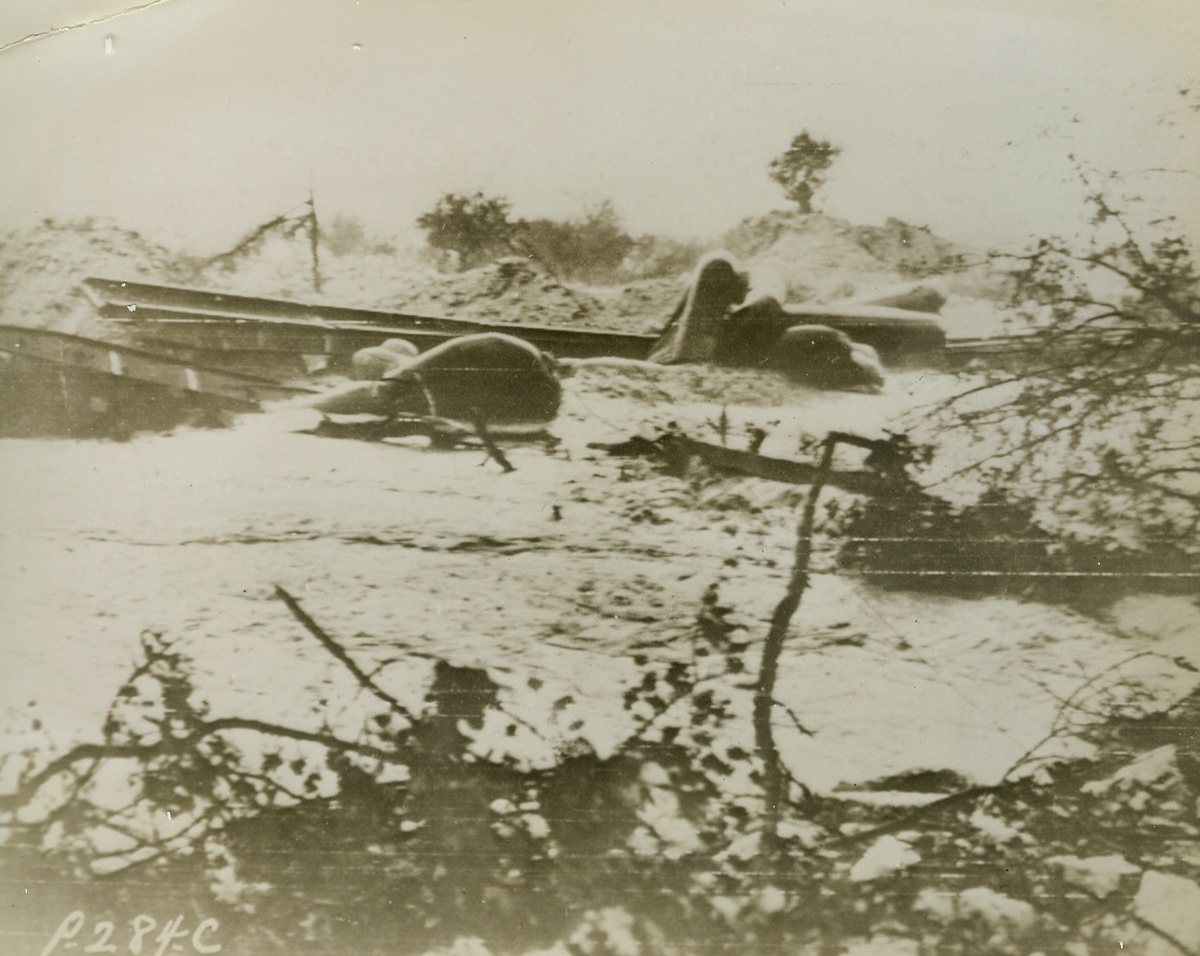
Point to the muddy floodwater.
(560, 571)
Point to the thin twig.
(795, 720)
(339, 652)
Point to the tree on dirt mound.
(475, 228)
(801, 170)
(590, 247)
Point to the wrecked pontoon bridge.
(240, 331)
(175, 355)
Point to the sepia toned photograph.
(662, 478)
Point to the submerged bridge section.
(254, 332)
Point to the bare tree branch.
(340, 654)
(176, 745)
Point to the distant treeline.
(468, 231)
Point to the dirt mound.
(912, 250)
(520, 290)
(643, 306)
(818, 258)
(41, 268)
(511, 290)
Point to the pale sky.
(194, 120)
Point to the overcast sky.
(194, 120)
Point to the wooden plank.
(679, 450)
(773, 469)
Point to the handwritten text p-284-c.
(172, 935)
